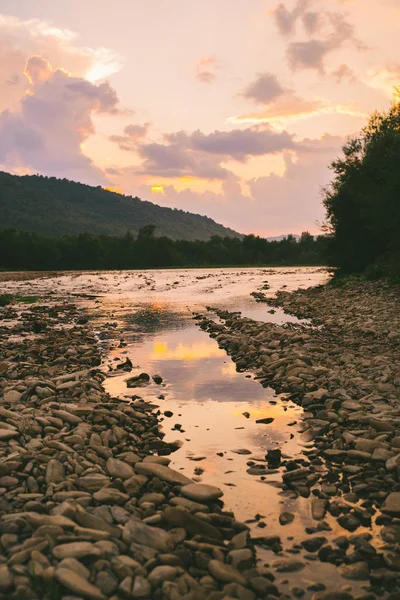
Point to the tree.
(363, 201)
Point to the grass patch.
(6, 299)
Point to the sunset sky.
(229, 108)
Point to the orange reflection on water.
(182, 351)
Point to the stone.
(313, 544)
(136, 531)
(12, 397)
(240, 559)
(189, 504)
(318, 509)
(286, 518)
(162, 472)
(225, 573)
(358, 571)
(118, 469)
(288, 565)
(391, 505)
(200, 492)
(153, 497)
(110, 496)
(393, 462)
(37, 520)
(6, 580)
(76, 566)
(55, 472)
(193, 525)
(106, 583)
(92, 482)
(141, 587)
(160, 574)
(90, 521)
(75, 550)
(7, 434)
(78, 585)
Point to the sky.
(229, 108)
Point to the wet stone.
(200, 492)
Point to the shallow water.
(153, 311)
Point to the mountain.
(54, 207)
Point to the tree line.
(30, 251)
(363, 201)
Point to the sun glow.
(157, 189)
(114, 189)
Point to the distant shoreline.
(24, 275)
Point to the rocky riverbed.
(344, 369)
(89, 507)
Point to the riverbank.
(343, 368)
(88, 503)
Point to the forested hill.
(51, 206)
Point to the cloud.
(333, 29)
(286, 20)
(285, 108)
(21, 39)
(131, 136)
(264, 89)
(385, 77)
(312, 53)
(273, 204)
(46, 130)
(205, 69)
(200, 155)
(283, 105)
(344, 72)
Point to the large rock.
(162, 472)
(140, 533)
(201, 492)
